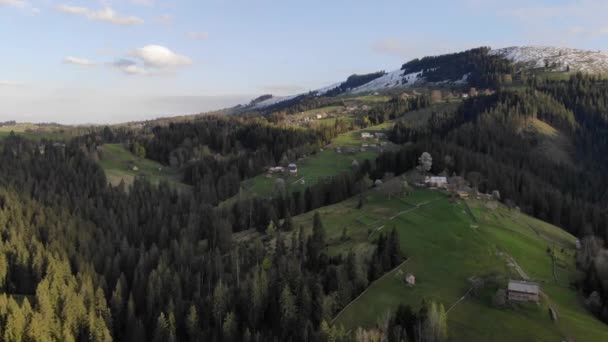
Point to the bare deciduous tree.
(425, 162)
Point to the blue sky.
(77, 61)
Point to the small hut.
(410, 279)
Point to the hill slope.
(456, 69)
(449, 242)
(556, 57)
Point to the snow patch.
(562, 58)
(273, 100)
(390, 80)
(324, 90)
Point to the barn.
(523, 291)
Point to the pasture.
(120, 165)
(447, 242)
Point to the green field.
(448, 242)
(118, 162)
(311, 170)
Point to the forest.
(477, 66)
(108, 263)
(81, 260)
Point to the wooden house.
(523, 291)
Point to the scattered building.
(523, 291)
(366, 135)
(410, 279)
(135, 168)
(380, 135)
(456, 183)
(293, 169)
(436, 181)
(276, 169)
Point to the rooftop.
(523, 286)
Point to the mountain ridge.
(558, 59)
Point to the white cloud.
(106, 14)
(129, 67)
(198, 35)
(142, 2)
(78, 61)
(13, 3)
(160, 57)
(165, 19)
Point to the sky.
(109, 61)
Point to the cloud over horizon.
(106, 14)
(151, 59)
(160, 57)
(198, 35)
(128, 67)
(78, 61)
(13, 3)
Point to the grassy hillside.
(311, 170)
(326, 163)
(447, 243)
(118, 164)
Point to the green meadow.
(118, 163)
(448, 241)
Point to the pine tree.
(161, 332)
(230, 327)
(192, 324)
(288, 309)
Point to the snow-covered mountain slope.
(390, 80)
(272, 101)
(557, 58)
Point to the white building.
(435, 181)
